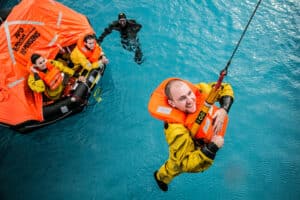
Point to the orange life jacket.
(93, 55)
(53, 78)
(159, 108)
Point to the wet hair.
(168, 88)
(89, 37)
(121, 16)
(34, 57)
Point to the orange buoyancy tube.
(93, 55)
(159, 108)
(53, 78)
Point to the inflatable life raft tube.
(65, 107)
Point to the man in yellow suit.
(88, 55)
(47, 76)
(177, 101)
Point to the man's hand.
(218, 120)
(82, 79)
(34, 70)
(218, 140)
(104, 60)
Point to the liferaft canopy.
(33, 26)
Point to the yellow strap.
(210, 100)
(97, 94)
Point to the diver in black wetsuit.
(128, 29)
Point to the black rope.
(224, 71)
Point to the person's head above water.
(180, 96)
(122, 16)
(122, 19)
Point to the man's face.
(122, 22)
(90, 44)
(40, 63)
(183, 97)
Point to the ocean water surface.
(111, 150)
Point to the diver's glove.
(100, 40)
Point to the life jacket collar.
(159, 108)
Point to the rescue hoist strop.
(213, 95)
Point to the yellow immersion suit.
(36, 84)
(184, 155)
(81, 62)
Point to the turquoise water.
(110, 150)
